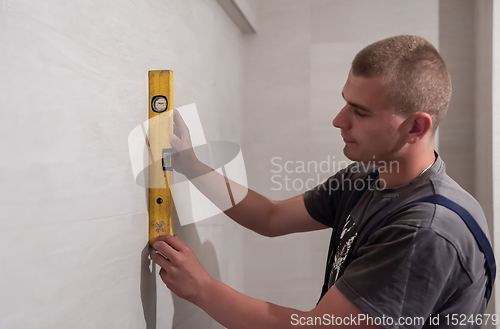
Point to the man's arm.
(187, 278)
(253, 210)
(250, 209)
(236, 310)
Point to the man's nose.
(342, 120)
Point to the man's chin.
(350, 155)
(357, 157)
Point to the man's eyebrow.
(361, 107)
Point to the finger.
(161, 261)
(182, 128)
(176, 142)
(165, 249)
(163, 274)
(173, 241)
(178, 118)
(160, 238)
(176, 132)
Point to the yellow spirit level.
(160, 201)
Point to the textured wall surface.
(490, 109)
(73, 223)
(457, 131)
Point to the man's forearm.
(235, 310)
(184, 275)
(243, 205)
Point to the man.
(422, 265)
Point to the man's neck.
(401, 171)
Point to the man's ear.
(420, 124)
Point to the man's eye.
(358, 112)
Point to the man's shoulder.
(447, 187)
(433, 216)
(446, 223)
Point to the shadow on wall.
(148, 287)
(186, 315)
(148, 277)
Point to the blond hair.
(413, 71)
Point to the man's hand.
(184, 159)
(180, 269)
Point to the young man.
(421, 268)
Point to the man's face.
(370, 128)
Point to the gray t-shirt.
(422, 265)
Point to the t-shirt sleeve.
(322, 201)
(400, 272)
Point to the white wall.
(73, 224)
(457, 131)
(484, 174)
(494, 21)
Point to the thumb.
(175, 141)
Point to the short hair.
(414, 72)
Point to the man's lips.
(347, 140)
